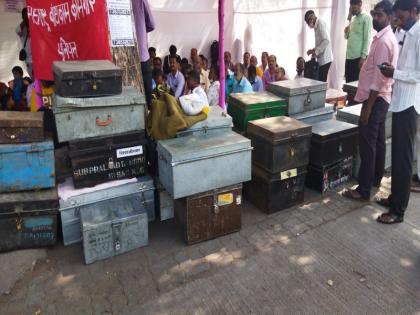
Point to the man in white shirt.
(322, 50)
(405, 105)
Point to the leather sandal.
(389, 218)
(383, 202)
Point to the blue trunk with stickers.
(27, 166)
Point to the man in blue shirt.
(256, 82)
(241, 83)
(175, 79)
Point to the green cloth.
(166, 118)
(358, 40)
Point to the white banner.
(120, 23)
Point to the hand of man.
(388, 70)
(364, 116)
(311, 52)
(347, 30)
(361, 63)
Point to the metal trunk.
(28, 219)
(87, 78)
(193, 165)
(332, 141)
(102, 159)
(351, 90)
(210, 214)
(316, 115)
(217, 122)
(278, 191)
(73, 202)
(27, 166)
(113, 227)
(279, 143)
(21, 127)
(245, 107)
(80, 118)
(302, 94)
(164, 203)
(329, 177)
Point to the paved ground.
(327, 256)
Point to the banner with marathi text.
(67, 30)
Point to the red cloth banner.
(64, 30)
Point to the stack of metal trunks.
(28, 197)
(109, 199)
(202, 170)
(280, 157)
(305, 99)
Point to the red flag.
(67, 30)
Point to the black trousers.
(146, 72)
(404, 127)
(372, 147)
(323, 72)
(352, 70)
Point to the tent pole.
(221, 53)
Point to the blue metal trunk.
(26, 166)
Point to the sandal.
(389, 218)
(354, 195)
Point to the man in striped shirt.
(405, 105)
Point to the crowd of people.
(172, 74)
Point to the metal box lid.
(194, 148)
(297, 87)
(33, 147)
(350, 112)
(28, 201)
(76, 70)
(217, 118)
(129, 96)
(70, 197)
(255, 98)
(328, 109)
(328, 129)
(278, 128)
(111, 211)
(21, 119)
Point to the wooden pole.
(221, 53)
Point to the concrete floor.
(328, 256)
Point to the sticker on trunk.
(288, 174)
(224, 199)
(132, 151)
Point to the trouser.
(323, 72)
(372, 148)
(352, 70)
(418, 146)
(404, 125)
(146, 72)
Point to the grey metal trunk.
(302, 94)
(316, 116)
(113, 227)
(196, 164)
(80, 118)
(217, 121)
(71, 208)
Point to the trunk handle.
(104, 123)
(308, 99)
